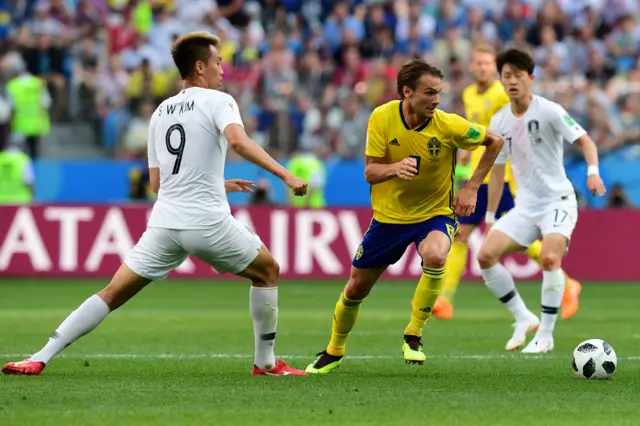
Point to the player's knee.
(550, 261)
(433, 258)
(270, 275)
(357, 287)
(487, 257)
(123, 286)
(274, 272)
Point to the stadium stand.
(306, 75)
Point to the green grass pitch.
(181, 353)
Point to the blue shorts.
(385, 243)
(506, 204)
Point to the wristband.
(593, 170)
(490, 217)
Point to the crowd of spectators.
(306, 73)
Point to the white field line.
(248, 356)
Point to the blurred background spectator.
(306, 74)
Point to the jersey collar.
(406, 125)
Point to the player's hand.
(239, 185)
(297, 185)
(464, 204)
(595, 185)
(406, 169)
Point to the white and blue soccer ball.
(594, 359)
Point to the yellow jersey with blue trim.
(434, 145)
(480, 108)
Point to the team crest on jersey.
(359, 252)
(534, 131)
(434, 147)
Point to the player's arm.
(470, 136)
(378, 170)
(226, 116)
(493, 143)
(154, 164)
(496, 182)
(590, 152)
(377, 167)
(496, 187)
(574, 133)
(250, 151)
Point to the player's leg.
(511, 233)
(556, 226)
(232, 247)
(345, 314)
(433, 250)
(454, 268)
(572, 290)
(155, 255)
(382, 245)
(264, 273)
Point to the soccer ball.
(594, 359)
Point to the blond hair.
(484, 48)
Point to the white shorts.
(229, 247)
(525, 226)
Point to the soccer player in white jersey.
(545, 206)
(192, 214)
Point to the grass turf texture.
(181, 352)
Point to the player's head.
(516, 73)
(483, 64)
(197, 58)
(420, 84)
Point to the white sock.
(263, 304)
(552, 290)
(501, 283)
(78, 323)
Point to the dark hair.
(411, 72)
(518, 59)
(190, 48)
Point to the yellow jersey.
(434, 145)
(480, 108)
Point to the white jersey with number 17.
(186, 143)
(534, 144)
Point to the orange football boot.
(570, 298)
(443, 309)
(24, 368)
(281, 369)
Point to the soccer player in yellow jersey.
(410, 163)
(481, 101)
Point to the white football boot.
(540, 344)
(522, 327)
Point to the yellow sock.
(344, 318)
(454, 268)
(427, 292)
(535, 252)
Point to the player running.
(546, 206)
(410, 163)
(481, 101)
(192, 215)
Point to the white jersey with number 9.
(186, 144)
